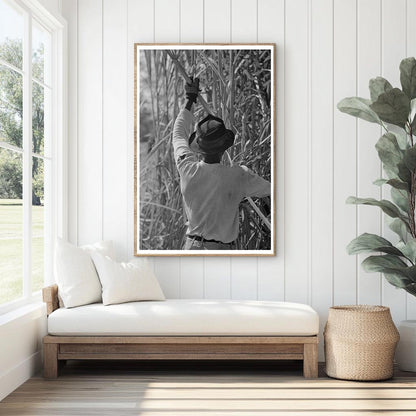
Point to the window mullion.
(27, 157)
(10, 66)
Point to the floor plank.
(200, 388)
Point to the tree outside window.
(23, 152)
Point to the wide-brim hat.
(211, 136)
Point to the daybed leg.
(50, 360)
(310, 360)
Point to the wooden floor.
(223, 389)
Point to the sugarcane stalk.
(187, 79)
(259, 213)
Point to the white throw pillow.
(75, 273)
(104, 247)
(126, 282)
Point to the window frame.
(58, 226)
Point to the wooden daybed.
(59, 348)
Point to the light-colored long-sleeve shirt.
(212, 192)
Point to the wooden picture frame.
(238, 84)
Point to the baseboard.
(11, 379)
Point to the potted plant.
(394, 109)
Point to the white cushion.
(187, 317)
(103, 247)
(126, 282)
(75, 273)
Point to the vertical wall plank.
(167, 29)
(140, 29)
(244, 29)
(217, 273)
(90, 184)
(411, 28)
(271, 29)
(167, 20)
(192, 277)
(369, 167)
(296, 152)
(70, 12)
(393, 51)
(217, 26)
(192, 21)
(140, 25)
(345, 151)
(411, 51)
(243, 278)
(114, 124)
(192, 30)
(168, 271)
(321, 148)
(244, 21)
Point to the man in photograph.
(211, 191)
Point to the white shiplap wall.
(326, 50)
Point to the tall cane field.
(237, 85)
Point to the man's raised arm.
(184, 122)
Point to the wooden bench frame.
(58, 349)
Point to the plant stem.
(412, 196)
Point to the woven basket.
(360, 342)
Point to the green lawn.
(11, 248)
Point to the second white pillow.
(126, 282)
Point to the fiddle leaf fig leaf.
(389, 151)
(395, 270)
(378, 86)
(400, 228)
(388, 207)
(410, 272)
(400, 198)
(398, 184)
(408, 249)
(359, 107)
(412, 109)
(381, 263)
(390, 173)
(397, 280)
(411, 289)
(408, 77)
(366, 243)
(380, 182)
(392, 107)
(404, 172)
(395, 183)
(410, 158)
(401, 139)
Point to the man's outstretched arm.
(255, 185)
(183, 123)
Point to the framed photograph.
(204, 160)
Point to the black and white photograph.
(204, 149)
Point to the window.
(31, 140)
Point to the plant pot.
(360, 341)
(406, 350)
